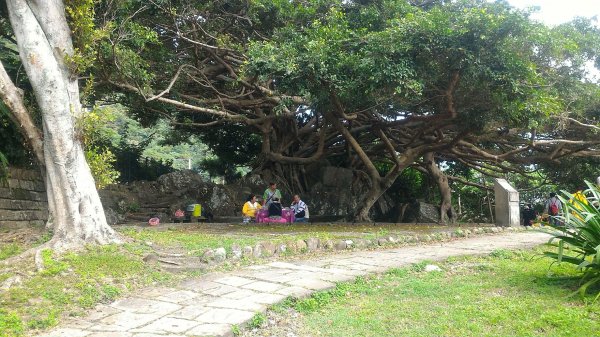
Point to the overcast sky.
(554, 12)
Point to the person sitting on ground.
(250, 208)
(270, 194)
(300, 209)
(179, 215)
(275, 208)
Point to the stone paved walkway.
(211, 304)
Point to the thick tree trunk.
(379, 184)
(362, 213)
(43, 38)
(447, 213)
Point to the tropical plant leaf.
(576, 236)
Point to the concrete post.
(507, 204)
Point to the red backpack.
(553, 209)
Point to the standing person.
(553, 207)
(250, 208)
(528, 215)
(270, 194)
(300, 209)
(578, 200)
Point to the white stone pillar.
(507, 204)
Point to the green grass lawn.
(70, 285)
(504, 294)
(472, 296)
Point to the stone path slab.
(210, 305)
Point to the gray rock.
(382, 241)
(312, 244)
(150, 258)
(340, 245)
(112, 217)
(176, 180)
(247, 252)
(328, 244)
(421, 212)
(220, 254)
(257, 251)
(11, 281)
(362, 243)
(208, 256)
(280, 249)
(432, 267)
(301, 245)
(291, 246)
(236, 251)
(267, 248)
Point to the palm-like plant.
(576, 235)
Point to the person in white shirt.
(300, 209)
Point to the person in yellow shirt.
(250, 208)
(579, 196)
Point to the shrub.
(576, 235)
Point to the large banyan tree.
(364, 82)
(376, 86)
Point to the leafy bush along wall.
(23, 201)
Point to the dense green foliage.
(128, 151)
(71, 284)
(259, 82)
(577, 235)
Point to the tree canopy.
(361, 82)
(371, 85)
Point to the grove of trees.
(376, 86)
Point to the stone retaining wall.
(23, 200)
(266, 249)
